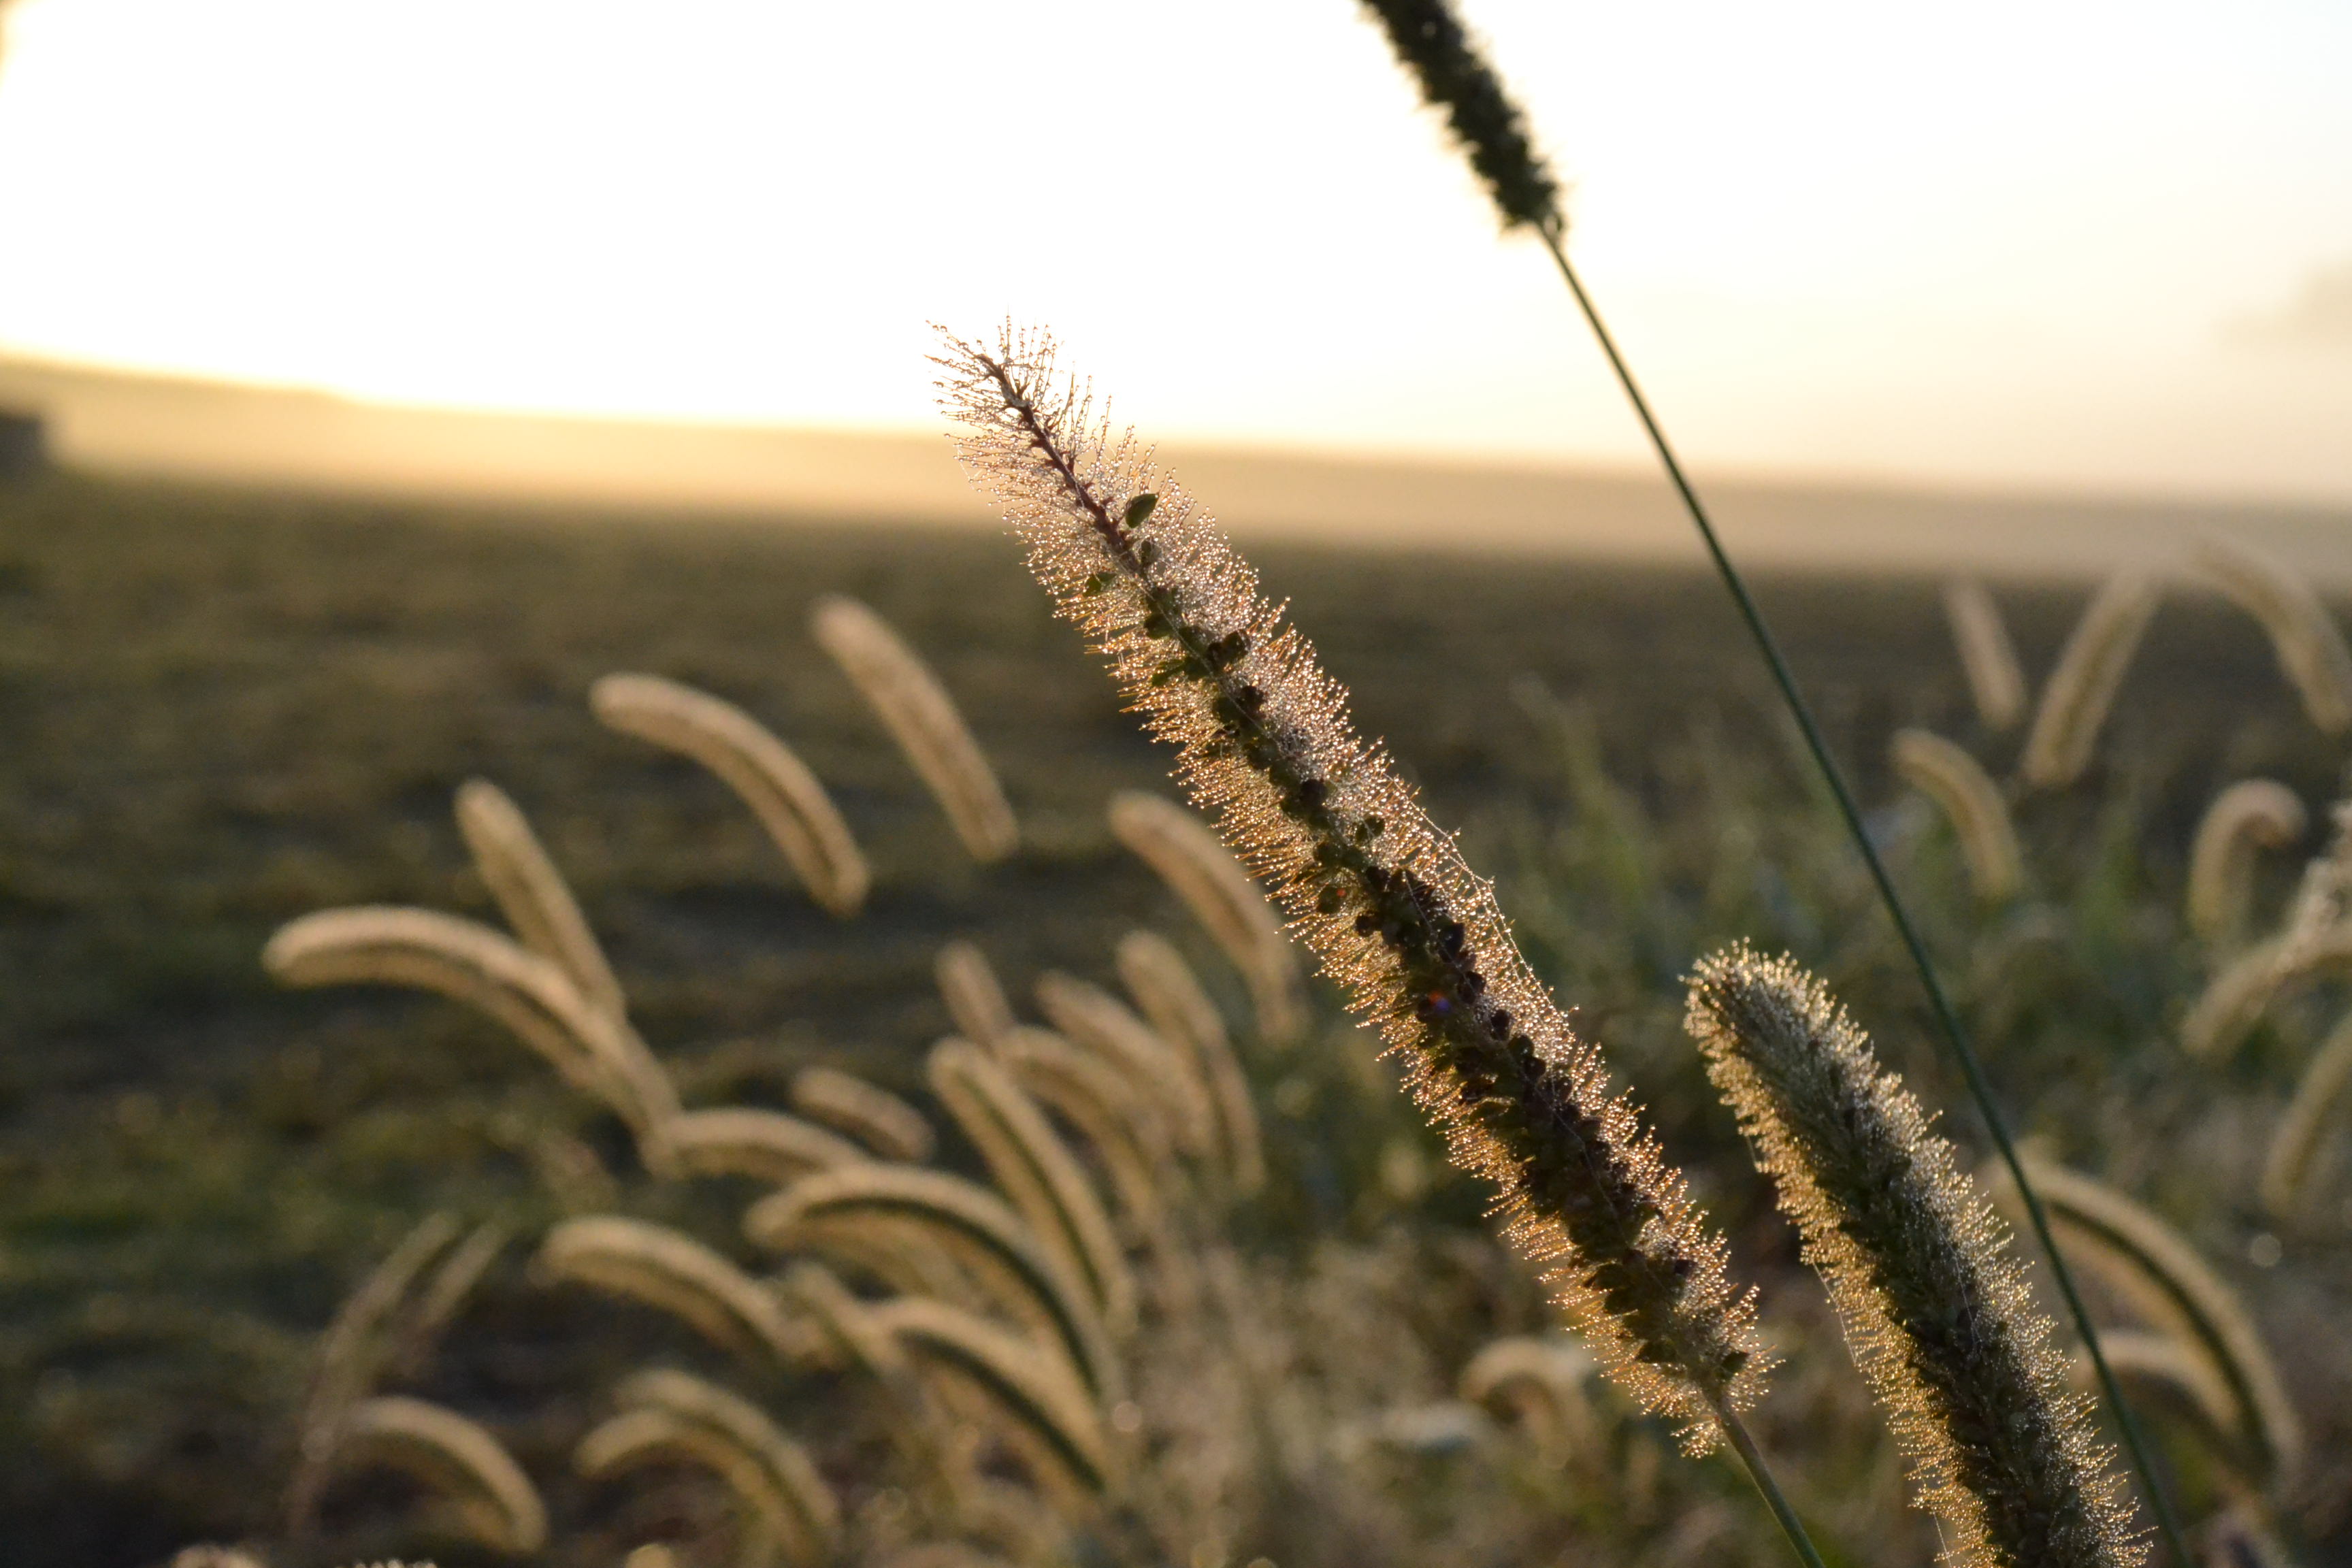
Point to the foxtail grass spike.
(2250, 816)
(1038, 1172)
(975, 996)
(971, 1221)
(459, 1458)
(2287, 1171)
(769, 1473)
(2094, 1213)
(531, 893)
(922, 718)
(1429, 40)
(1113, 1115)
(445, 1295)
(2090, 669)
(1035, 1388)
(671, 1271)
(1374, 887)
(765, 1146)
(1936, 1311)
(352, 1353)
(1091, 1017)
(2309, 644)
(2235, 1000)
(593, 1050)
(880, 1120)
(1988, 658)
(1411, 31)
(1538, 1385)
(1204, 876)
(1173, 999)
(1972, 802)
(771, 779)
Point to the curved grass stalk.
(352, 1353)
(1209, 882)
(455, 1455)
(2250, 816)
(671, 1415)
(2234, 1001)
(765, 1146)
(2164, 1371)
(1036, 1392)
(531, 893)
(2287, 1171)
(446, 1293)
(1038, 1172)
(771, 779)
(974, 997)
(969, 1222)
(2309, 645)
(1092, 1018)
(1172, 1000)
(1380, 893)
(1119, 1125)
(1972, 803)
(468, 961)
(906, 1257)
(1988, 658)
(1537, 1383)
(1935, 1309)
(886, 1124)
(671, 1271)
(922, 718)
(2082, 689)
(2180, 1283)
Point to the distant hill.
(192, 429)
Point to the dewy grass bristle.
(1373, 886)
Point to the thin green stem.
(1947, 1019)
(1760, 1473)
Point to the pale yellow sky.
(2088, 246)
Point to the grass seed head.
(1374, 887)
(1935, 1307)
(1431, 40)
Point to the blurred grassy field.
(218, 711)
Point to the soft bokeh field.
(218, 713)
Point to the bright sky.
(2016, 242)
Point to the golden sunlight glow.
(2009, 242)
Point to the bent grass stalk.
(922, 718)
(2248, 816)
(763, 771)
(968, 1220)
(1091, 1018)
(884, 1123)
(674, 1273)
(747, 1141)
(1110, 1113)
(1935, 1309)
(2287, 1170)
(2304, 637)
(455, 1455)
(974, 997)
(1454, 75)
(769, 1471)
(1172, 1000)
(1198, 869)
(1374, 887)
(446, 1293)
(1988, 658)
(531, 893)
(2082, 689)
(1971, 802)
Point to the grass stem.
(1947, 1019)
(1750, 1456)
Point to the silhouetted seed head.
(1430, 38)
(1373, 888)
(1934, 1305)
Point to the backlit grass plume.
(2309, 645)
(1197, 868)
(884, 1123)
(2249, 816)
(1988, 658)
(486, 1490)
(2090, 669)
(1374, 887)
(1951, 778)
(1935, 1307)
(922, 718)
